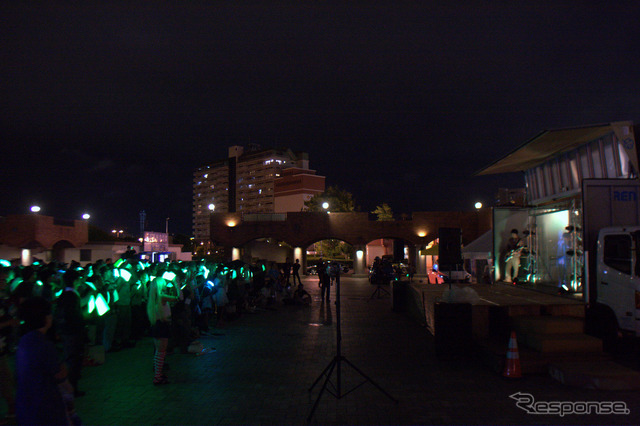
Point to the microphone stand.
(335, 364)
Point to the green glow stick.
(116, 296)
(58, 293)
(206, 272)
(90, 284)
(4, 262)
(263, 268)
(139, 285)
(102, 306)
(234, 274)
(92, 304)
(118, 263)
(124, 274)
(15, 283)
(116, 273)
(40, 283)
(90, 274)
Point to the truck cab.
(618, 280)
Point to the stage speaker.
(449, 247)
(398, 250)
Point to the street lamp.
(118, 233)
(35, 209)
(86, 216)
(478, 205)
(212, 207)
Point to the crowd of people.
(48, 308)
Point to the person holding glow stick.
(159, 312)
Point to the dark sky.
(110, 109)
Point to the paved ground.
(265, 364)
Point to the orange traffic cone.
(512, 365)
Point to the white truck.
(612, 266)
(617, 303)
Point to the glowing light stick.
(101, 305)
(15, 283)
(116, 296)
(58, 293)
(90, 274)
(4, 262)
(124, 274)
(118, 263)
(92, 304)
(263, 268)
(206, 272)
(169, 276)
(234, 274)
(116, 273)
(40, 283)
(90, 284)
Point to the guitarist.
(512, 261)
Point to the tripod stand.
(335, 364)
(378, 292)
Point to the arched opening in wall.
(58, 250)
(330, 250)
(401, 255)
(267, 250)
(209, 251)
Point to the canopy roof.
(546, 145)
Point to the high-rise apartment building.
(254, 180)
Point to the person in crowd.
(38, 370)
(70, 327)
(301, 296)
(8, 323)
(110, 319)
(287, 271)
(325, 281)
(159, 312)
(296, 272)
(123, 327)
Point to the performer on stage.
(512, 261)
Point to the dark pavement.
(265, 363)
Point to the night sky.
(110, 109)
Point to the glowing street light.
(478, 205)
(35, 209)
(118, 233)
(86, 216)
(325, 205)
(212, 207)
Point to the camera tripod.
(336, 364)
